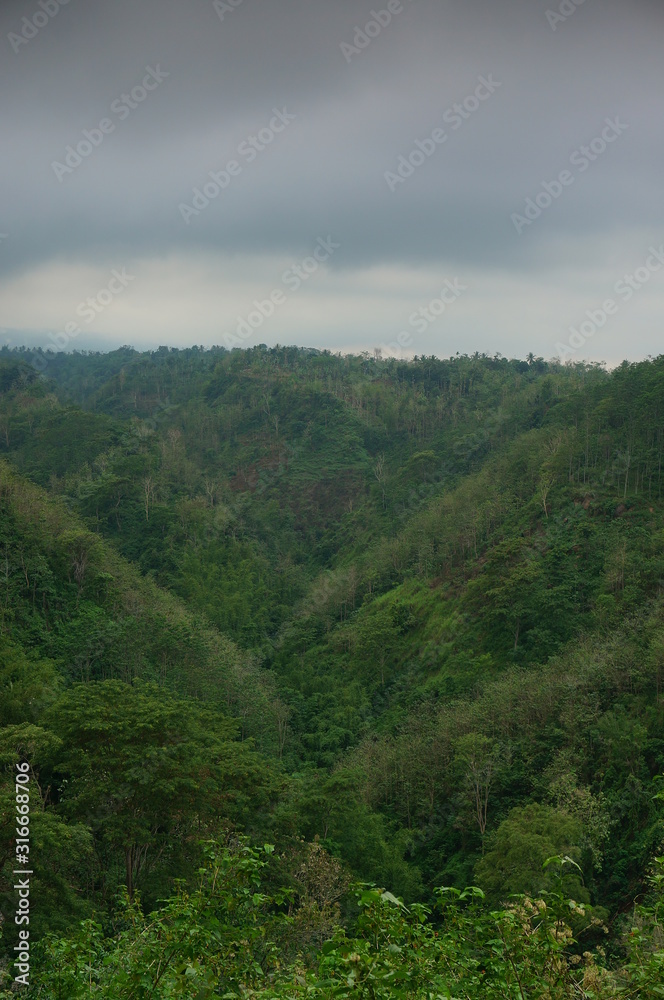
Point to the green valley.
(335, 675)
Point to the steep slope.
(450, 572)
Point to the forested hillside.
(402, 621)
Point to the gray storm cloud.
(421, 135)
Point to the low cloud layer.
(205, 148)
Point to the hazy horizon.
(402, 175)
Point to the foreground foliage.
(226, 938)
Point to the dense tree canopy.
(403, 620)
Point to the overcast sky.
(320, 138)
